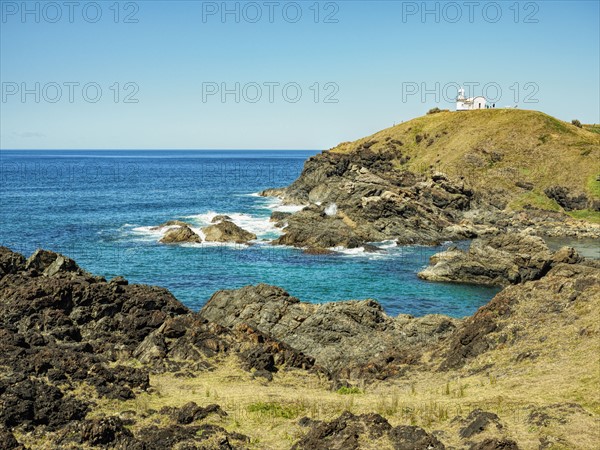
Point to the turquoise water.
(98, 207)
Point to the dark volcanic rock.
(349, 339)
(477, 422)
(495, 444)
(59, 324)
(10, 262)
(8, 440)
(105, 431)
(568, 201)
(190, 412)
(406, 437)
(373, 202)
(350, 432)
(34, 402)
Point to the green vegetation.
(274, 409)
(595, 128)
(593, 184)
(576, 122)
(586, 214)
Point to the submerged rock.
(227, 231)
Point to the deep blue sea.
(98, 207)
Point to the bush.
(434, 110)
(577, 123)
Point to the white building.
(467, 104)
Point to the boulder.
(220, 218)
(227, 231)
(50, 263)
(180, 235)
(497, 260)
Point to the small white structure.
(468, 104)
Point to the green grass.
(586, 214)
(535, 199)
(593, 185)
(594, 128)
(274, 409)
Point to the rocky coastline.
(92, 363)
(71, 339)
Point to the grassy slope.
(534, 147)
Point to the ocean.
(99, 208)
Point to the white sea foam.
(331, 209)
(359, 252)
(261, 226)
(387, 244)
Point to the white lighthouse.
(468, 104)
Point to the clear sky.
(295, 75)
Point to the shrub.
(577, 123)
(434, 110)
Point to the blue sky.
(348, 72)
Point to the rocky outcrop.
(61, 326)
(490, 326)
(389, 187)
(569, 201)
(360, 197)
(179, 235)
(350, 339)
(498, 260)
(227, 231)
(351, 432)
